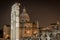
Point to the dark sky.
(45, 11)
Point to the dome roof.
(24, 15)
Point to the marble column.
(15, 21)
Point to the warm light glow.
(35, 32)
(28, 32)
(44, 29)
(7, 36)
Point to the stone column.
(15, 22)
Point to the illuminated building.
(23, 29)
(28, 29)
(6, 32)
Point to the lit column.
(15, 22)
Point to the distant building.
(6, 31)
(27, 28)
(52, 32)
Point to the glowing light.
(28, 31)
(35, 32)
(7, 36)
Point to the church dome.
(24, 17)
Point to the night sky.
(45, 11)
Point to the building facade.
(6, 32)
(24, 29)
(27, 29)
